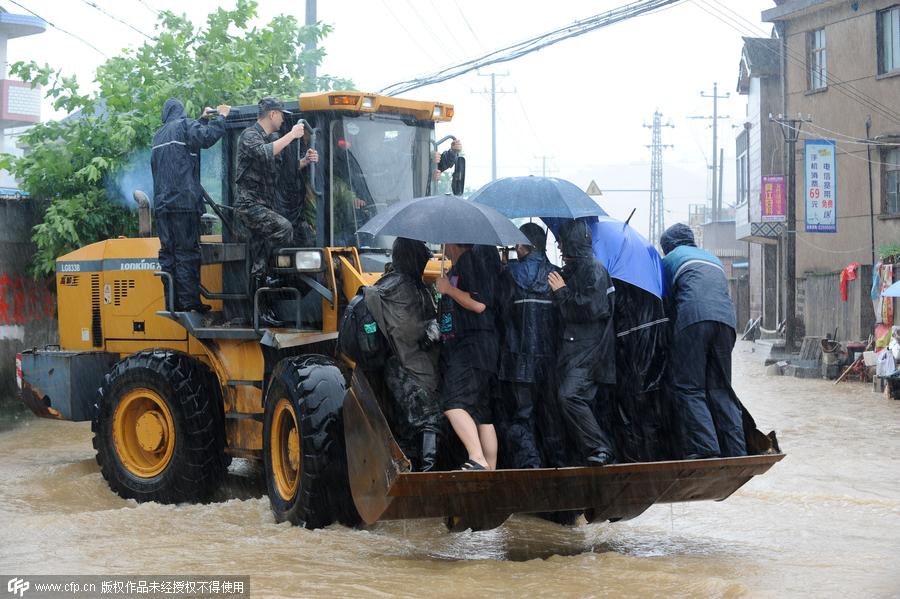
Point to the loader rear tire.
(303, 444)
(159, 431)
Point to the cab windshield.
(376, 161)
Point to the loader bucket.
(384, 488)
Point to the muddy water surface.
(824, 522)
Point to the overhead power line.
(534, 44)
(115, 18)
(58, 28)
(843, 87)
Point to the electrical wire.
(842, 87)
(148, 7)
(115, 18)
(534, 44)
(408, 33)
(843, 150)
(58, 28)
(448, 30)
(469, 26)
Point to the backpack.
(360, 337)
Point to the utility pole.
(493, 92)
(790, 129)
(544, 170)
(657, 208)
(310, 74)
(716, 199)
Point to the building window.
(815, 59)
(742, 182)
(888, 40)
(890, 169)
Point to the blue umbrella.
(892, 291)
(625, 253)
(518, 197)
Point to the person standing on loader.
(258, 161)
(404, 308)
(703, 337)
(586, 362)
(178, 197)
(528, 421)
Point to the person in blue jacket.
(703, 337)
(178, 197)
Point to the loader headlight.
(283, 261)
(308, 260)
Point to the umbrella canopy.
(892, 291)
(626, 254)
(445, 219)
(518, 197)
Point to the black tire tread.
(198, 465)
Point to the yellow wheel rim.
(285, 449)
(143, 433)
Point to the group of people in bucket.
(519, 359)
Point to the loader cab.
(373, 151)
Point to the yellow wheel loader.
(173, 396)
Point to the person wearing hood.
(703, 337)
(586, 362)
(178, 197)
(404, 309)
(528, 421)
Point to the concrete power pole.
(310, 74)
(493, 92)
(657, 207)
(716, 200)
(790, 129)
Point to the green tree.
(69, 163)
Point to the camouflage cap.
(269, 103)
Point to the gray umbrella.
(445, 219)
(519, 197)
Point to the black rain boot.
(428, 453)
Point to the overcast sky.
(581, 103)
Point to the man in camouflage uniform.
(259, 160)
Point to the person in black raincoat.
(470, 351)
(586, 362)
(178, 197)
(528, 421)
(703, 337)
(404, 308)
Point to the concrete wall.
(27, 307)
(851, 55)
(824, 310)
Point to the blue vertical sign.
(821, 186)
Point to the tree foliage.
(69, 163)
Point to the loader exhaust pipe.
(143, 204)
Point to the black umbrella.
(519, 197)
(445, 219)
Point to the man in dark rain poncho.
(528, 423)
(404, 309)
(586, 362)
(703, 337)
(178, 198)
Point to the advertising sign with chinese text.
(821, 186)
(773, 206)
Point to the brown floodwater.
(824, 522)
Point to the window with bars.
(888, 34)
(890, 180)
(815, 59)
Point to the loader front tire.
(303, 444)
(159, 430)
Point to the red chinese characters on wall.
(24, 300)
